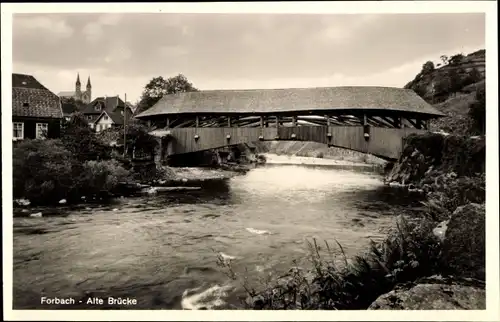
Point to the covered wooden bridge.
(372, 120)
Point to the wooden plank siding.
(383, 142)
(182, 140)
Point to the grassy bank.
(451, 170)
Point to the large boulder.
(432, 297)
(465, 243)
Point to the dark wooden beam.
(253, 124)
(384, 121)
(373, 122)
(315, 122)
(413, 123)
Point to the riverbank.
(442, 247)
(162, 249)
(168, 180)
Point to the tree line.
(159, 86)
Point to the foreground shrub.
(43, 171)
(82, 141)
(408, 253)
(446, 192)
(149, 172)
(101, 176)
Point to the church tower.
(89, 90)
(78, 88)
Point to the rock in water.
(465, 241)
(37, 214)
(440, 230)
(23, 202)
(62, 201)
(432, 297)
(152, 191)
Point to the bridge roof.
(267, 101)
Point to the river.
(161, 250)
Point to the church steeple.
(89, 90)
(78, 88)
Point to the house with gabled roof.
(36, 111)
(105, 112)
(109, 119)
(94, 109)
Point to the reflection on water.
(162, 250)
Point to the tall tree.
(158, 87)
(445, 59)
(455, 59)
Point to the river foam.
(209, 299)
(258, 232)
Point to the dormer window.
(26, 104)
(98, 107)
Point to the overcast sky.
(122, 52)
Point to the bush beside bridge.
(76, 165)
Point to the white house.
(109, 119)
